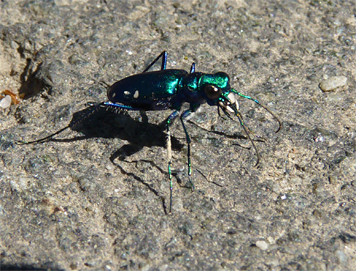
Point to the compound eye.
(212, 92)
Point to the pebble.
(333, 83)
(341, 256)
(262, 245)
(6, 102)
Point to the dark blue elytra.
(169, 89)
(158, 90)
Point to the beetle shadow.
(102, 123)
(107, 124)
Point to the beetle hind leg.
(164, 61)
(44, 139)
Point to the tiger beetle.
(169, 89)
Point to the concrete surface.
(95, 197)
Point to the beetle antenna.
(257, 102)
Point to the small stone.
(262, 245)
(333, 83)
(6, 102)
(341, 256)
(271, 240)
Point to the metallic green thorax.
(220, 80)
(193, 88)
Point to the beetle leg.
(96, 107)
(164, 62)
(192, 68)
(169, 155)
(184, 115)
(120, 106)
(117, 107)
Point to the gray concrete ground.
(96, 196)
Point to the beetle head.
(214, 86)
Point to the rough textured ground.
(96, 196)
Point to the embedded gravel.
(95, 197)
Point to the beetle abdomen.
(149, 90)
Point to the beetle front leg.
(170, 119)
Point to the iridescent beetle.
(169, 89)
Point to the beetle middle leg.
(184, 115)
(192, 68)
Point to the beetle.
(168, 89)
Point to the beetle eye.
(212, 92)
